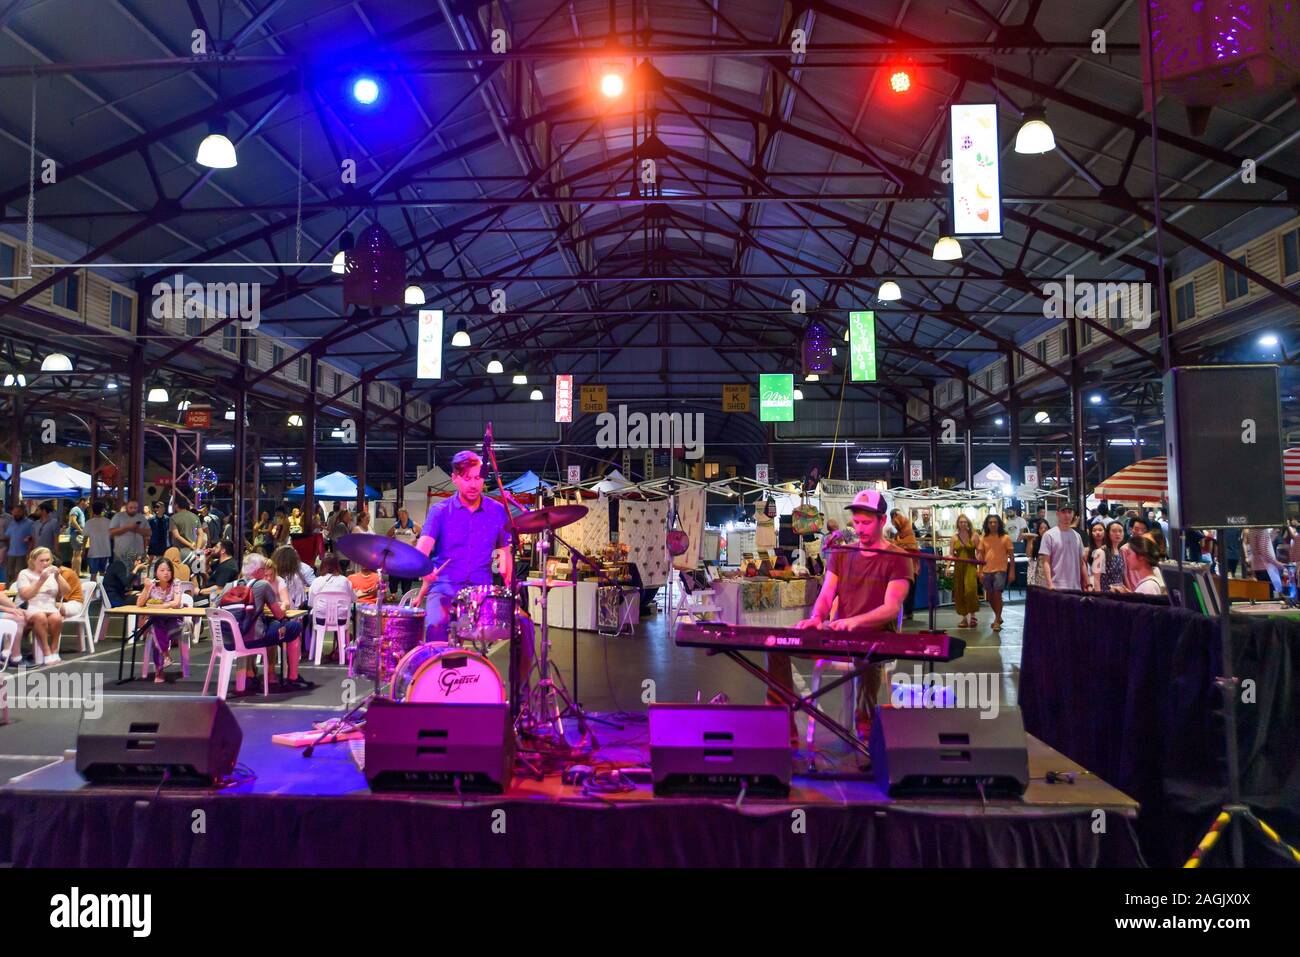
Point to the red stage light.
(900, 81)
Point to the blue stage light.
(365, 90)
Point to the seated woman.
(74, 599)
(121, 581)
(329, 584)
(288, 569)
(261, 596)
(9, 611)
(41, 587)
(162, 590)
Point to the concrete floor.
(613, 675)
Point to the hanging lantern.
(376, 271)
(816, 348)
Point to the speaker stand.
(1234, 811)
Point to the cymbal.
(540, 519)
(381, 552)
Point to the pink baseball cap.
(869, 500)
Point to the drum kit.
(447, 663)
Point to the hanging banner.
(775, 397)
(862, 346)
(196, 418)
(1031, 475)
(760, 472)
(976, 188)
(592, 398)
(649, 465)
(735, 398)
(627, 464)
(575, 474)
(429, 358)
(914, 473)
(564, 398)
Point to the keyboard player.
(861, 589)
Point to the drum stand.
(542, 715)
(346, 723)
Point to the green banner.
(862, 346)
(776, 397)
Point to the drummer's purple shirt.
(468, 539)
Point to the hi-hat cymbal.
(557, 516)
(381, 552)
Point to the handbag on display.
(677, 540)
(806, 520)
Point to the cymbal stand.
(542, 715)
(575, 708)
(346, 723)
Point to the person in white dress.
(41, 586)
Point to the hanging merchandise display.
(642, 527)
(690, 519)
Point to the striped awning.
(1145, 481)
(1291, 469)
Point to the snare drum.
(446, 675)
(403, 630)
(483, 614)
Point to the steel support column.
(135, 425)
(399, 496)
(13, 494)
(309, 447)
(238, 487)
(94, 460)
(361, 444)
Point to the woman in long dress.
(965, 577)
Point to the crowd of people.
(153, 558)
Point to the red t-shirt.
(864, 577)
(365, 585)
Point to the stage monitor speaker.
(139, 740)
(720, 749)
(1223, 447)
(918, 751)
(438, 747)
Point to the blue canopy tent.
(333, 487)
(51, 480)
(529, 483)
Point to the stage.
(295, 811)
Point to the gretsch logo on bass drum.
(452, 680)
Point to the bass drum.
(445, 675)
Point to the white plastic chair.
(331, 613)
(693, 604)
(409, 597)
(217, 617)
(850, 687)
(187, 627)
(85, 630)
(8, 635)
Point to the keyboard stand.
(804, 703)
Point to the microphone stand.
(515, 679)
(574, 707)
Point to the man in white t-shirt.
(1016, 526)
(130, 532)
(1060, 554)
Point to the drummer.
(466, 532)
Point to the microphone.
(487, 437)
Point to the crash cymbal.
(381, 552)
(557, 516)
